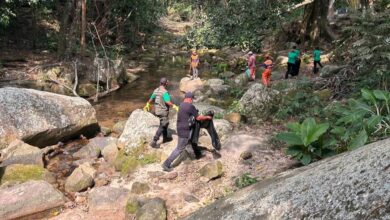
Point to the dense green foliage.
(245, 180)
(348, 126)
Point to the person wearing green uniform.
(292, 57)
(297, 65)
(317, 59)
(162, 103)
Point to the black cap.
(189, 95)
(163, 80)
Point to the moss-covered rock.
(139, 188)
(20, 173)
(155, 209)
(212, 170)
(132, 205)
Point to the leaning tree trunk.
(314, 23)
(83, 25)
(64, 25)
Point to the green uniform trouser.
(162, 128)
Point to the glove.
(147, 107)
(175, 107)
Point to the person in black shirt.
(186, 111)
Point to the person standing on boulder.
(162, 103)
(186, 112)
(194, 64)
(252, 65)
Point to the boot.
(166, 168)
(153, 144)
(167, 139)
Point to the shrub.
(245, 180)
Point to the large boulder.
(140, 127)
(28, 198)
(43, 118)
(19, 152)
(204, 107)
(353, 185)
(259, 102)
(190, 85)
(20, 173)
(223, 128)
(330, 70)
(108, 201)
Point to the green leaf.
(359, 140)
(338, 130)
(293, 150)
(294, 127)
(311, 132)
(368, 95)
(290, 138)
(382, 95)
(306, 159)
(373, 121)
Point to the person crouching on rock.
(162, 103)
(186, 111)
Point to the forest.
(77, 81)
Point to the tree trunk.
(83, 25)
(330, 15)
(314, 23)
(64, 18)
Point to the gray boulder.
(212, 170)
(223, 128)
(155, 209)
(19, 152)
(259, 102)
(214, 82)
(110, 152)
(204, 107)
(81, 178)
(190, 85)
(28, 198)
(226, 75)
(330, 70)
(43, 118)
(94, 148)
(353, 185)
(140, 127)
(108, 199)
(119, 127)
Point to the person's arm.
(149, 102)
(203, 118)
(167, 100)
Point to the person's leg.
(315, 67)
(319, 63)
(268, 77)
(209, 125)
(196, 75)
(159, 131)
(165, 123)
(263, 78)
(253, 73)
(289, 70)
(181, 145)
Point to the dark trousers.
(290, 70)
(296, 67)
(315, 69)
(181, 146)
(209, 126)
(162, 128)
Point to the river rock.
(219, 90)
(86, 89)
(28, 198)
(330, 70)
(352, 185)
(204, 107)
(19, 173)
(119, 127)
(132, 205)
(259, 102)
(223, 128)
(226, 75)
(214, 82)
(241, 80)
(190, 85)
(108, 200)
(140, 127)
(43, 118)
(282, 60)
(140, 188)
(116, 70)
(212, 170)
(19, 152)
(110, 152)
(88, 152)
(81, 178)
(154, 209)
(233, 117)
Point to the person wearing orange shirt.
(194, 64)
(268, 64)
